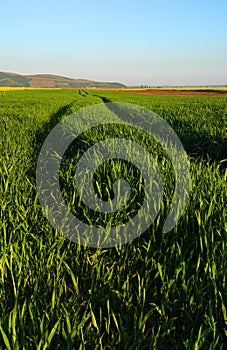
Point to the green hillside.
(51, 81)
(8, 79)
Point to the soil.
(178, 93)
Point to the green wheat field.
(159, 291)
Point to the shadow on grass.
(196, 144)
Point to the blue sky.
(160, 42)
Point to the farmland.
(160, 291)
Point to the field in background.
(161, 291)
(181, 91)
(198, 91)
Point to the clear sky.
(162, 42)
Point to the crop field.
(159, 291)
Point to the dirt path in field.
(177, 93)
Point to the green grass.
(160, 291)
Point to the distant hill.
(52, 81)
